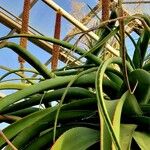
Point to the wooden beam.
(13, 24)
(78, 24)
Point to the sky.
(42, 18)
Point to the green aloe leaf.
(12, 70)
(141, 48)
(22, 139)
(116, 121)
(142, 79)
(18, 126)
(43, 116)
(79, 138)
(114, 109)
(24, 112)
(46, 139)
(65, 93)
(115, 78)
(126, 135)
(105, 137)
(106, 33)
(145, 108)
(140, 85)
(131, 106)
(147, 66)
(15, 72)
(64, 44)
(104, 116)
(33, 89)
(142, 139)
(32, 60)
(12, 85)
(72, 94)
(139, 120)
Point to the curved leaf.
(79, 138)
(17, 73)
(22, 139)
(32, 60)
(142, 139)
(131, 106)
(101, 102)
(141, 48)
(44, 85)
(65, 44)
(12, 85)
(142, 79)
(126, 134)
(73, 93)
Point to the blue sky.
(42, 18)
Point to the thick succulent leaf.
(142, 139)
(79, 138)
(141, 48)
(32, 60)
(139, 81)
(146, 18)
(13, 86)
(115, 78)
(18, 126)
(126, 135)
(23, 138)
(45, 140)
(112, 85)
(15, 72)
(73, 93)
(47, 116)
(142, 78)
(131, 106)
(103, 111)
(82, 104)
(25, 112)
(114, 109)
(33, 89)
(105, 138)
(117, 114)
(105, 34)
(64, 44)
(146, 109)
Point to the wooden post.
(24, 29)
(56, 48)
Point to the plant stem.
(7, 140)
(122, 44)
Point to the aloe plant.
(94, 108)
